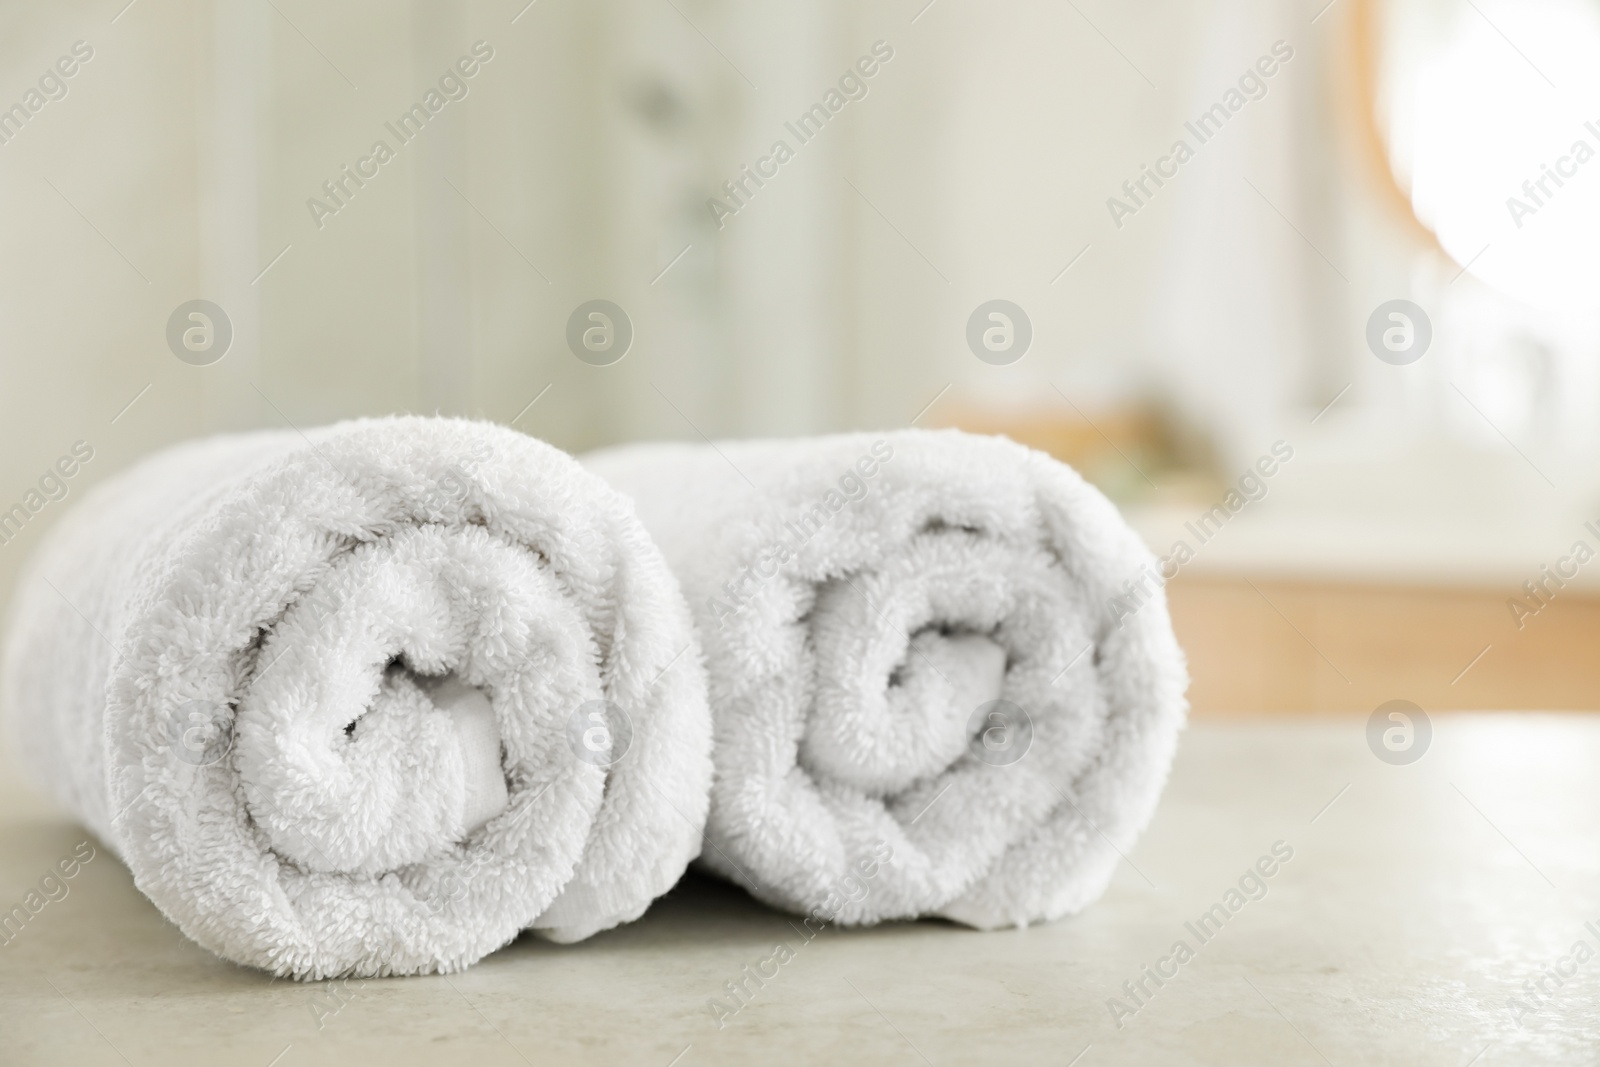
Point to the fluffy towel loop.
(369, 700)
(912, 653)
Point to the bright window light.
(1499, 130)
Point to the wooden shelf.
(1336, 647)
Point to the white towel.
(368, 700)
(912, 658)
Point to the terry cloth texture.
(368, 700)
(910, 653)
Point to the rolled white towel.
(912, 658)
(368, 700)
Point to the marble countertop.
(1417, 902)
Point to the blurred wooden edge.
(1357, 62)
(1306, 647)
(1126, 450)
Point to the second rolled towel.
(924, 703)
(368, 700)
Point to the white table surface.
(1415, 906)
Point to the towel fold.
(912, 660)
(368, 700)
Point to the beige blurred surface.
(1269, 646)
(1418, 900)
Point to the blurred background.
(1180, 320)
